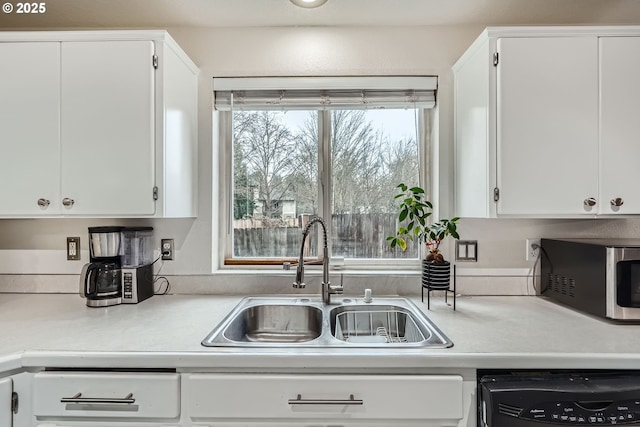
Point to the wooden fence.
(352, 236)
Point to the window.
(275, 180)
(338, 154)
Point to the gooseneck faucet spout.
(327, 288)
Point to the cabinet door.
(6, 391)
(334, 423)
(111, 396)
(619, 124)
(547, 125)
(29, 128)
(264, 397)
(107, 155)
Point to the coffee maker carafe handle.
(87, 279)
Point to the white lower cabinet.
(333, 423)
(269, 400)
(102, 424)
(6, 394)
(164, 399)
(62, 399)
(15, 400)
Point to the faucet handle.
(335, 289)
(299, 282)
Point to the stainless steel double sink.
(292, 321)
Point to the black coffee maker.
(101, 279)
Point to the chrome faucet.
(327, 288)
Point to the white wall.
(302, 51)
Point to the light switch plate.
(73, 248)
(467, 250)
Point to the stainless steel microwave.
(598, 276)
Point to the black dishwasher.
(565, 398)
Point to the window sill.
(317, 271)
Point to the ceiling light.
(308, 3)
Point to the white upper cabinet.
(107, 130)
(552, 112)
(547, 124)
(92, 125)
(619, 125)
(29, 128)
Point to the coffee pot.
(101, 278)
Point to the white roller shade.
(324, 93)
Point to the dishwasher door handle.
(350, 401)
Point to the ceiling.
(236, 13)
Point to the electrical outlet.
(166, 249)
(73, 248)
(532, 249)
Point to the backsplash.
(32, 258)
(255, 283)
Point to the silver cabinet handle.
(127, 400)
(590, 201)
(349, 401)
(68, 202)
(617, 202)
(43, 203)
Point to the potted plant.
(414, 225)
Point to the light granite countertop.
(41, 330)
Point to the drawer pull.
(350, 401)
(127, 400)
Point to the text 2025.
(31, 7)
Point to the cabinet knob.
(591, 201)
(43, 203)
(68, 202)
(617, 202)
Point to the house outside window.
(292, 154)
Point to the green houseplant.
(414, 225)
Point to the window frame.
(427, 170)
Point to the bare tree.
(265, 145)
(305, 158)
(278, 160)
(357, 150)
(402, 166)
(367, 165)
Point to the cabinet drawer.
(397, 397)
(318, 423)
(111, 395)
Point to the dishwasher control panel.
(559, 399)
(570, 412)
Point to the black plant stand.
(436, 277)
